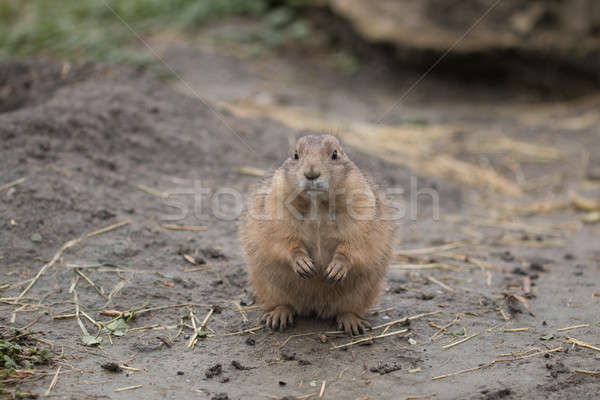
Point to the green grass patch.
(20, 357)
(90, 30)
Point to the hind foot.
(279, 318)
(352, 324)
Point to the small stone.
(287, 355)
(111, 367)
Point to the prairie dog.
(318, 238)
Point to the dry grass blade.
(248, 308)
(568, 328)
(440, 283)
(185, 227)
(252, 171)
(423, 396)
(322, 391)
(198, 330)
(369, 338)
(64, 247)
(54, 380)
(189, 258)
(196, 269)
(404, 320)
(509, 330)
(77, 311)
(13, 183)
(581, 343)
(582, 203)
(430, 250)
(449, 346)
(587, 372)
(151, 191)
(492, 363)
(412, 267)
(128, 388)
(250, 330)
(116, 289)
(239, 309)
(205, 320)
(523, 301)
(98, 288)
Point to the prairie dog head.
(317, 165)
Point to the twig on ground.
(64, 247)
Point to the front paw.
(352, 324)
(279, 318)
(337, 270)
(303, 266)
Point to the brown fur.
(320, 255)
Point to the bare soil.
(100, 145)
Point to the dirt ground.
(98, 146)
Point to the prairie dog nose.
(312, 174)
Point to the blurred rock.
(556, 27)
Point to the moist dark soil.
(101, 145)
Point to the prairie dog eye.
(296, 156)
(334, 155)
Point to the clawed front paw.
(336, 271)
(279, 318)
(303, 266)
(352, 324)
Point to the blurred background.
(482, 92)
